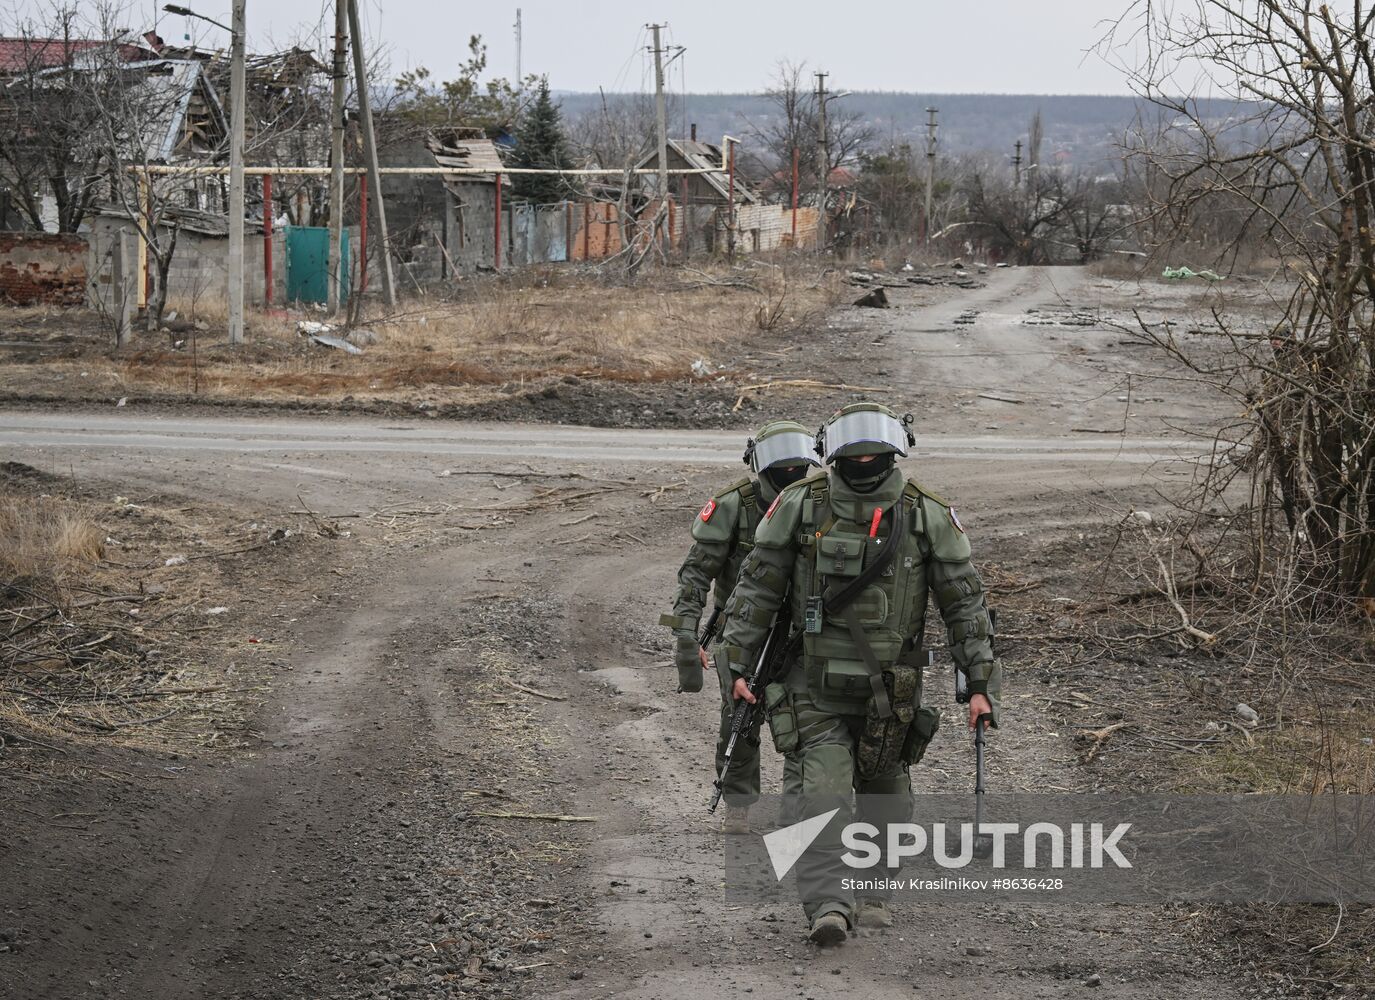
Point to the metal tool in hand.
(983, 842)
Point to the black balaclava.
(865, 477)
(782, 476)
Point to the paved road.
(302, 436)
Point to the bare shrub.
(1292, 171)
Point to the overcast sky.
(974, 46)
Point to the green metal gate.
(307, 264)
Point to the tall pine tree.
(540, 142)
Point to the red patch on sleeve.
(707, 510)
(873, 526)
(773, 506)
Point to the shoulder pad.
(914, 488)
(735, 487)
(778, 529)
(715, 522)
(943, 530)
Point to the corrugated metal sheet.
(701, 156)
(465, 149)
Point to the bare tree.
(1298, 162)
(1022, 223)
(793, 122)
(46, 121)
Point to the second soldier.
(781, 453)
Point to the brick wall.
(42, 267)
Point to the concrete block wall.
(43, 268)
(760, 228)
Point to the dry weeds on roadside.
(490, 331)
(1190, 635)
(109, 611)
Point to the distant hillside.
(1082, 130)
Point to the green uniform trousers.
(829, 782)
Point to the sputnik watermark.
(1086, 847)
(1075, 845)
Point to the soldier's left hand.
(979, 706)
(706, 665)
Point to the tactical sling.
(842, 602)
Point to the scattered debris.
(1247, 714)
(1142, 517)
(216, 611)
(537, 693)
(364, 338)
(801, 383)
(875, 299)
(1001, 399)
(175, 561)
(339, 343)
(122, 401)
(1184, 273)
(701, 368)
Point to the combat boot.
(829, 929)
(873, 913)
(736, 819)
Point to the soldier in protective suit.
(782, 453)
(856, 551)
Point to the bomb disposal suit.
(856, 551)
(782, 452)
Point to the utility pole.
(823, 156)
(236, 198)
(370, 150)
(518, 42)
(339, 69)
(930, 172)
(1017, 165)
(660, 118)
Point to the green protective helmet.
(780, 442)
(864, 429)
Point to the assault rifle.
(709, 633)
(779, 647)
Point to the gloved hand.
(688, 657)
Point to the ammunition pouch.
(920, 734)
(778, 709)
(887, 724)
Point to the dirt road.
(486, 645)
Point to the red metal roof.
(20, 54)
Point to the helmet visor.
(863, 427)
(787, 448)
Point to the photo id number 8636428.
(1050, 884)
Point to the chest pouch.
(840, 555)
(879, 749)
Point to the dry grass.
(491, 331)
(100, 638)
(47, 538)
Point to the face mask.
(862, 477)
(784, 476)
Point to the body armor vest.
(891, 610)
